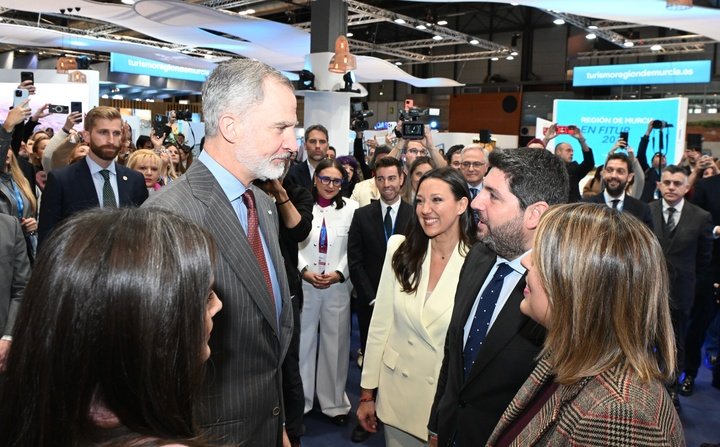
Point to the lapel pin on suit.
(270, 212)
(125, 178)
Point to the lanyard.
(18, 199)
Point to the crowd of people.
(503, 299)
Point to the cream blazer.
(406, 343)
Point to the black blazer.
(470, 409)
(367, 246)
(70, 190)
(632, 205)
(687, 251)
(298, 174)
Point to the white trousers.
(394, 437)
(328, 309)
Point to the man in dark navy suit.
(316, 147)
(616, 175)
(94, 181)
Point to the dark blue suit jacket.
(637, 208)
(70, 190)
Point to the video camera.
(359, 111)
(183, 115)
(413, 128)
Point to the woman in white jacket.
(322, 260)
(413, 307)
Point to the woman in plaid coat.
(596, 280)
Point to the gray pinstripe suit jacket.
(242, 399)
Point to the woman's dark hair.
(330, 163)
(113, 319)
(141, 141)
(357, 177)
(408, 259)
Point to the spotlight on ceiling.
(420, 27)
(494, 58)
(628, 44)
(400, 21)
(510, 58)
(349, 34)
(513, 53)
(398, 63)
(593, 27)
(656, 47)
(437, 37)
(559, 21)
(591, 36)
(442, 22)
(474, 42)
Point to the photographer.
(652, 173)
(576, 171)
(407, 150)
(62, 143)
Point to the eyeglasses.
(327, 180)
(417, 151)
(474, 164)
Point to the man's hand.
(157, 141)
(551, 132)
(577, 133)
(286, 439)
(321, 281)
(42, 112)
(71, 120)
(29, 224)
(27, 85)
(366, 416)
(432, 441)
(16, 116)
(4, 352)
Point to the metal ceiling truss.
(585, 23)
(683, 44)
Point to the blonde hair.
(19, 178)
(142, 154)
(607, 285)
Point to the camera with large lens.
(660, 124)
(185, 115)
(413, 128)
(359, 111)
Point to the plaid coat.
(614, 408)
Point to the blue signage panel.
(124, 63)
(679, 72)
(602, 121)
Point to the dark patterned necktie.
(483, 315)
(669, 224)
(108, 193)
(253, 234)
(387, 222)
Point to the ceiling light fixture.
(342, 61)
(628, 44)
(442, 22)
(437, 37)
(510, 58)
(128, 2)
(400, 21)
(656, 47)
(420, 27)
(474, 42)
(559, 21)
(398, 63)
(593, 27)
(591, 36)
(494, 58)
(678, 5)
(349, 34)
(513, 53)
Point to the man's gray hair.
(235, 86)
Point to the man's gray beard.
(262, 168)
(507, 240)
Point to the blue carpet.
(700, 413)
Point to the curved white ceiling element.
(178, 23)
(697, 20)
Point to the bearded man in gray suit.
(250, 114)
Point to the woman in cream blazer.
(413, 308)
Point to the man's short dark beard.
(507, 239)
(616, 192)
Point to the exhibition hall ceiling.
(391, 38)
